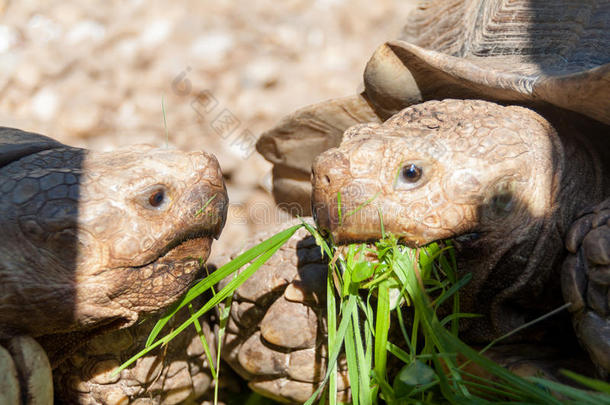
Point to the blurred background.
(95, 74)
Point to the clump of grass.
(365, 286)
(422, 279)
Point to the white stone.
(212, 46)
(42, 29)
(156, 32)
(8, 38)
(44, 104)
(261, 73)
(86, 31)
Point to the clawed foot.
(585, 281)
(25, 373)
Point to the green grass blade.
(364, 204)
(527, 388)
(386, 389)
(488, 388)
(339, 208)
(331, 321)
(453, 289)
(354, 369)
(221, 295)
(200, 210)
(364, 363)
(382, 326)
(526, 325)
(346, 310)
(580, 396)
(454, 316)
(204, 343)
(591, 383)
(165, 122)
(398, 352)
(218, 275)
(319, 239)
(224, 320)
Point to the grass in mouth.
(366, 285)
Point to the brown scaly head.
(481, 173)
(94, 239)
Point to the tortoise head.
(104, 237)
(456, 168)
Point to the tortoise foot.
(585, 280)
(25, 373)
(175, 374)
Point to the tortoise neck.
(584, 181)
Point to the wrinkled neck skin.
(523, 281)
(495, 179)
(84, 249)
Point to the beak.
(213, 211)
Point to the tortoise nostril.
(326, 180)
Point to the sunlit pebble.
(127, 115)
(80, 119)
(260, 73)
(156, 32)
(329, 3)
(212, 46)
(43, 29)
(28, 74)
(44, 104)
(88, 30)
(8, 38)
(287, 35)
(334, 59)
(316, 38)
(127, 48)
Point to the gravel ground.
(95, 74)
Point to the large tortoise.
(513, 165)
(93, 242)
(524, 52)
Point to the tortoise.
(92, 244)
(513, 52)
(486, 122)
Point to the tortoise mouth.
(463, 240)
(151, 287)
(182, 263)
(194, 244)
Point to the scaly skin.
(586, 282)
(94, 241)
(176, 374)
(498, 179)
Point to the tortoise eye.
(157, 198)
(411, 173)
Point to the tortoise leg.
(25, 373)
(585, 279)
(174, 374)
